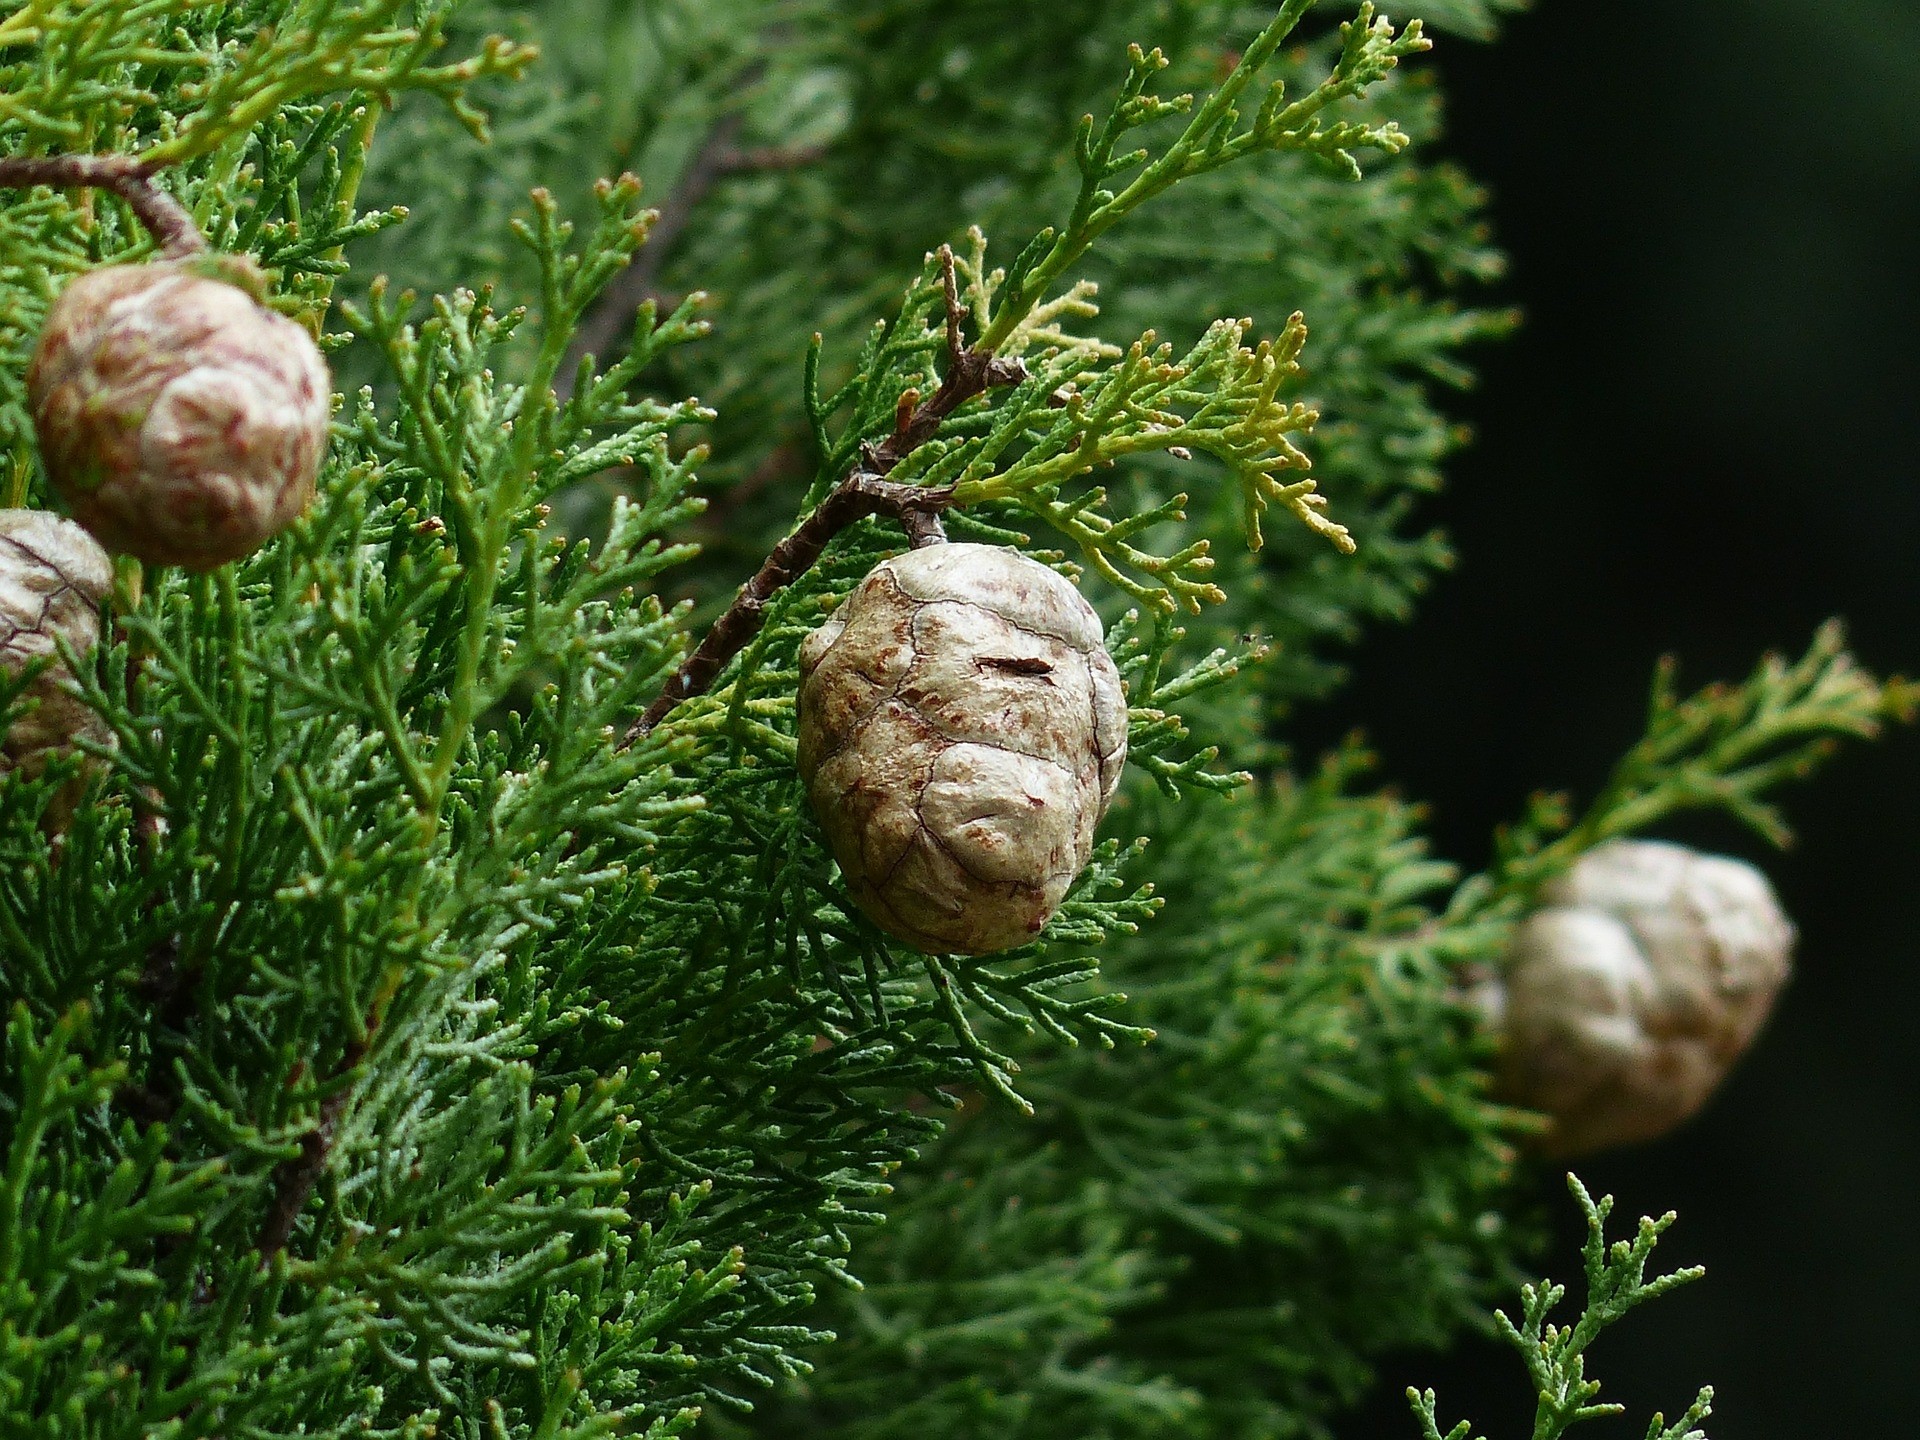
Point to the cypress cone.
(180, 419)
(1630, 994)
(962, 730)
(53, 579)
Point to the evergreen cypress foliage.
(1555, 1354)
(402, 1040)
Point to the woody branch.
(127, 176)
(971, 372)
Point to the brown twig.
(758, 158)
(855, 498)
(294, 1179)
(867, 491)
(970, 372)
(607, 323)
(166, 219)
(167, 984)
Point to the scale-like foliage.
(393, 1050)
(1302, 1171)
(1556, 1355)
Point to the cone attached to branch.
(962, 730)
(1632, 991)
(180, 419)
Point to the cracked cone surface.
(962, 731)
(180, 419)
(53, 578)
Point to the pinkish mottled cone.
(53, 578)
(180, 420)
(962, 730)
(1634, 988)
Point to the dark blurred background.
(1703, 441)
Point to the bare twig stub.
(128, 177)
(867, 491)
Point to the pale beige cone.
(1629, 995)
(962, 730)
(53, 578)
(180, 420)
